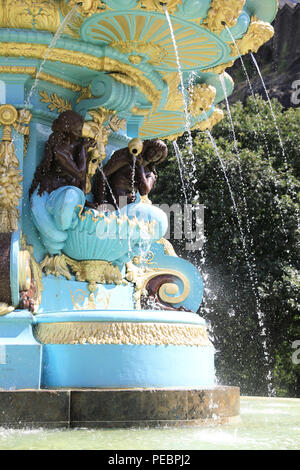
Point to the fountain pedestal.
(119, 408)
(75, 309)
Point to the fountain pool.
(265, 424)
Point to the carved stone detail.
(258, 33)
(223, 12)
(201, 98)
(55, 102)
(10, 175)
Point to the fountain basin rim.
(140, 316)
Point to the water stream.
(260, 123)
(289, 181)
(254, 264)
(181, 169)
(252, 274)
(192, 164)
(68, 19)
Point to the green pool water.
(266, 424)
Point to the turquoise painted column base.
(125, 349)
(127, 366)
(20, 353)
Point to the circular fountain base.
(125, 349)
(119, 408)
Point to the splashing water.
(290, 183)
(69, 17)
(260, 123)
(240, 171)
(186, 111)
(181, 168)
(100, 167)
(260, 314)
(133, 175)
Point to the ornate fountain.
(92, 294)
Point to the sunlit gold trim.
(121, 72)
(55, 102)
(122, 333)
(259, 32)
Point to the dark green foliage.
(252, 287)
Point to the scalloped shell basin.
(125, 349)
(115, 237)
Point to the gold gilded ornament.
(10, 175)
(167, 292)
(35, 271)
(259, 32)
(221, 13)
(201, 98)
(91, 271)
(175, 98)
(31, 14)
(55, 102)
(100, 133)
(121, 72)
(87, 8)
(219, 69)
(158, 5)
(209, 123)
(122, 333)
(155, 52)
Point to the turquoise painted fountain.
(92, 294)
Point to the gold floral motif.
(221, 13)
(55, 102)
(135, 59)
(201, 98)
(259, 32)
(91, 271)
(87, 8)
(158, 5)
(175, 98)
(85, 94)
(30, 14)
(122, 333)
(85, 300)
(155, 52)
(10, 174)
